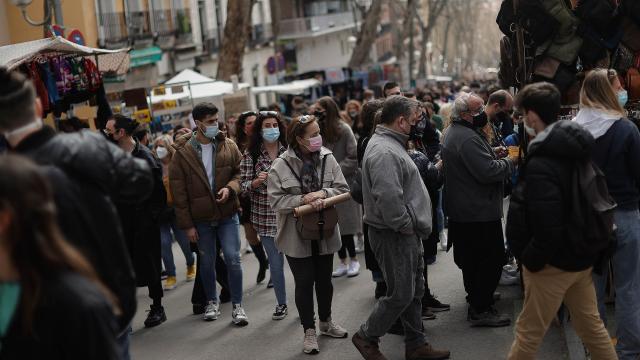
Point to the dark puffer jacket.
(547, 173)
(94, 174)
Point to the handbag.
(317, 225)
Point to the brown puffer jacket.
(193, 198)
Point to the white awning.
(12, 56)
(293, 88)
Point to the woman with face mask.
(297, 178)
(617, 153)
(352, 111)
(266, 144)
(52, 304)
(340, 140)
(164, 152)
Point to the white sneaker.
(239, 317)
(354, 269)
(443, 240)
(341, 270)
(332, 329)
(211, 311)
(310, 344)
(508, 280)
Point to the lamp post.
(50, 6)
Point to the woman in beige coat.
(296, 179)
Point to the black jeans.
(314, 271)
(347, 245)
(478, 250)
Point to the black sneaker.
(427, 314)
(435, 305)
(381, 289)
(489, 318)
(155, 317)
(280, 312)
(270, 284)
(164, 275)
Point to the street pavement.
(185, 336)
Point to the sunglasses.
(305, 119)
(268, 114)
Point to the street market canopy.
(201, 86)
(293, 88)
(12, 56)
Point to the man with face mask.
(473, 194)
(498, 111)
(397, 209)
(205, 181)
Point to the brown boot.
(368, 350)
(427, 352)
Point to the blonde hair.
(445, 114)
(597, 92)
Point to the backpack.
(591, 221)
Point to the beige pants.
(545, 291)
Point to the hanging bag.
(317, 225)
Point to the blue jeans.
(122, 342)
(228, 233)
(626, 270)
(276, 268)
(167, 253)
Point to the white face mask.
(530, 131)
(162, 152)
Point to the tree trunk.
(236, 33)
(435, 8)
(367, 36)
(398, 12)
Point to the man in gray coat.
(473, 192)
(397, 209)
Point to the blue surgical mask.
(211, 132)
(9, 299)
(623, 97)
(271, 135)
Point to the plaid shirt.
(262, 217)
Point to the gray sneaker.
(239, 317)
(310, 344)
(211, 311)
(490, 318)
(332, 329)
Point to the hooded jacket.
(550, 163)
(194, 199)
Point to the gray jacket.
(473, 175)
(394, 195)
(285, 195)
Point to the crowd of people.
(87, 217)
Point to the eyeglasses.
(268, 114)
(305, 119)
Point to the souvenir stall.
(67, 76)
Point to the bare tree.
(367, 35)
(401, 14)
(236, 34)
(434, 9)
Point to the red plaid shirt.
(262, 217)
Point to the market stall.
(67, 76)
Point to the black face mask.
(480, 120)
(502, 117)
(109, 137)
(417, 130)
(320, 115)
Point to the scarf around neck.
(309, 178)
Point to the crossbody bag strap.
(293, 172)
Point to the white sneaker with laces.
(329, 328)
(341, 270)
(238, 316)
(354, 269)
(443, 240)
(211, 311)
(310, 343)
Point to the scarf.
(596, 121)
(309, 174)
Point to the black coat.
(141, 223)
(92, 174)
(72, 321)
(551, 160)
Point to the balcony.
(260, 35)
(165, 29)
(140, 28)
(315, 25)
(184, 37)
(114, 31)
